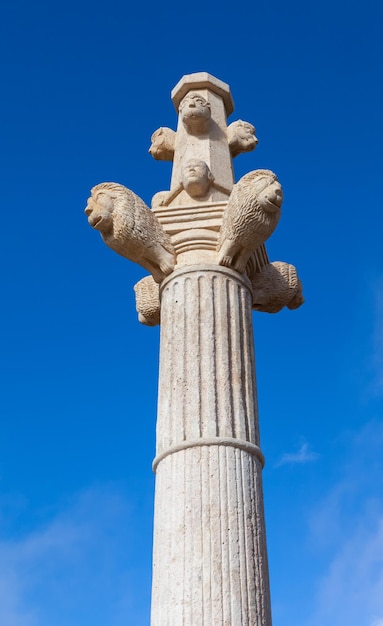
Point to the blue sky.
(84, 86)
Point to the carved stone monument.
(203, 245)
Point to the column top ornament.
(204, 217)
(202, 80)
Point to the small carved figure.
(163, 141)
(241, 137)
(195, 113)
(130, 228)
(251, 215)
(160, 199)
(196, 178)
(275, 286)
(148, 301)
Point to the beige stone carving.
(241, 137)
(148, 301)
(130, 228)
(209, 557)
(275, 286)
(196, 178)
(195, 112)
(210, 146)
(163, 141)
(251, 215)
(160, 199)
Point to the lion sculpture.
(147, 301)
(241, 137)
(275, 286)
(130, 228)
(163, 142)
(250, 217)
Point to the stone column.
(209, 520)
(203, 244)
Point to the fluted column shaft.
(210, 559)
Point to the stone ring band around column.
(251, 448)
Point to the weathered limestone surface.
(209, 528)
(209, 521)
(203, 244)
(130, 228)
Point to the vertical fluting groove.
(233, 540)
(242, 537)
(246, 496)
(251, 409)
(172, 464)
(186, 546)
(221, 512)
(223, 373)
(198, 578)
(192, 399)
(230, 353)
(241, 556)
(203, 535)
(211, 550)
(250, 385)
(230, 531)
(174, 359)
(200, 405)
(236, 363)
(209, 477)
(243, 356)
(258, 546)
(214, 418)
(184, 358)
(215, 513)
(220, 383)
(258, 554)
(224, 528)
(208, 386)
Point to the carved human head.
(241, 137)
(162, 147)
(196, 178)
(195, 113)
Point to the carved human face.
(99, 209)
(196, 178)
(195, 112)
(269, 193)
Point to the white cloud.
(301, 456)
(75, 569)
(348, 525)
(351, 592)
